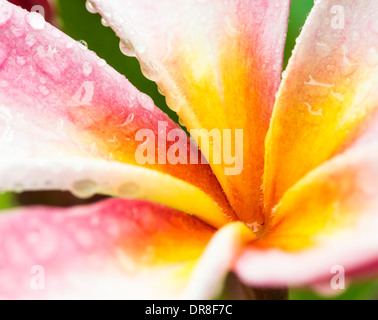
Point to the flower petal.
(217, 260)
(60, 103)
(328, 219)
(329, 88)
(112, 249)
(219, 65)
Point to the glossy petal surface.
(328, 219)
(60, 103)
(329, 89)
(114, 249)
(219, 65)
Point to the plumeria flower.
(305, 202)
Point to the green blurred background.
(79, 24)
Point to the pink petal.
(68, 119)
(219, 65)
(113, 249)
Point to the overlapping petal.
(326, 221)
(328, 90)
(67, 121)
(112, 249)
(115, 249)
(219, 65)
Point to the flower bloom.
(306, 199)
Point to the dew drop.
(91, 7)
(35, 20)
(310, 109)
(21, 61)
(355, 36)
(5, 14)
(372, 57)
(87, 68)
(18, 187)
(149, 70)
(160, 90)
(140, 47)
(101, 62)
(145, 101)
(129, 190)
(104, 22)
(313, 82)
(374, 26)
(284, 74)
(231, 30)
(30, 40)
(17, 31)
(83, 44)
(128, 120)
(174, 102)
(323, 49)
(69, 44)
(181, 122)
(44, 90)
(349, 65)
(127, 48)
(84, 188)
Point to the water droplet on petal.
(127, 48)
(101, 62)
(145, 101)
(56, 33)
(128, 120)
(30, 40)
(349, 66)
(17, 31)
(35, 20)
(18, 187)
(374, 26)
(104, 22)
(3, 55)
(44, 90)
(318, 112)
(372, 57)
(69, 44)
(230, 28)
(149, 70)
(4, 83)
(87, 68)
(160, 90)
(83, 44)
(91, 7)
(181, 122)
(337, 95)
(21, 61)
(84, 188)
